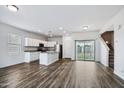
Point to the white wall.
(104, 52)
(57, 39)
(68, 47)
(118, 42)
(5, 59)
(69, 43)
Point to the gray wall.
(5, 58)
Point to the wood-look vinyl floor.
(62, 74)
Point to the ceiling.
(44, 18)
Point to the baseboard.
(98, 61)
(12, 65)
(33, 61)
(67, 58)
(119, 75)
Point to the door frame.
(84, 50)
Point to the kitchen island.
(47, 58)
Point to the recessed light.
(13, 8)
(60, 28)
(64, 31)
(39, 30)
(85, 27)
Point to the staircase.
(111, 56)
(111, 59)
(108, 37)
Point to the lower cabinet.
(31, 56)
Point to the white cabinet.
(32, 42)
(31, 56)
(27, 41)
(36, 42)
(50, 44)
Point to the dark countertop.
(31, 51)
(49, 52)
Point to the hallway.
(64, 73)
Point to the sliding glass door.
(85, 50)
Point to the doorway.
(108, 37)
(85, 50)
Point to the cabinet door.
(32, 42)
(28, 42)
(50, 44)
(35, 42)
(38, 42)
(34, 56)
(45, 44)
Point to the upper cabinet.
(50, 44)
(32, 42)
(36, 42)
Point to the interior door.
(85, 50)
